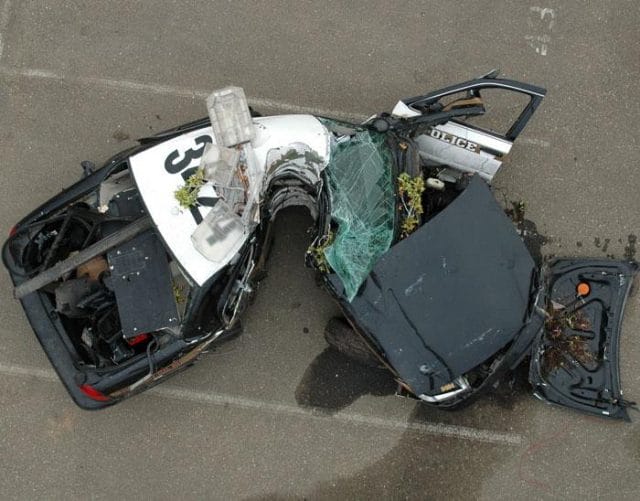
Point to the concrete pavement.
(274, 414)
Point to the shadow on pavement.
(333, 381)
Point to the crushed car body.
(130, 274)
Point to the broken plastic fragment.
(219, 164)
(230, 116)
(220, 234)
(252, 179)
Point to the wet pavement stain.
(533, 239)
(630, 249)
(511, 389)
(612, 248)
(420, 464)
(418, 467)
(120, 135)
(528, 230)
(602, 245)
(334, 381)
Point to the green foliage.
(187, 195)
(410, 191)
(179, 293)
(317, 253)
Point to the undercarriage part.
(74, 296)
(72, 262)
(293, 178)
(57, 237)
(93, 269)
(141, 280)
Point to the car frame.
(421, 133)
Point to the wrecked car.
(130, 274)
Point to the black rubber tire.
(341, 336)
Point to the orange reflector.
(583, 289)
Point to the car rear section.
(106, 301)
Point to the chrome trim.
(463, 387)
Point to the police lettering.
(454, 140)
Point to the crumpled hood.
(451, 295)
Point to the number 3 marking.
(173, 167)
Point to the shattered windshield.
(361, 186)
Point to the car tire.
(341, 336)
